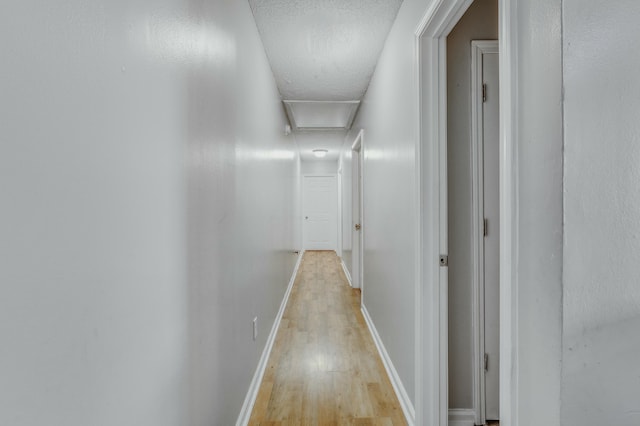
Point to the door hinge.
(444, 260)
(484, 92)
(485, 230)
(486, 362)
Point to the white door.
(490, 143)
(320, 212)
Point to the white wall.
(601, 294)
(388, 117)
(538, 253)
(142, 167)
(319, 167)
(480, 22)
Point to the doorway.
(439, 260)
(320, 212)
(357, 209)
(472, 210)
(486, 232)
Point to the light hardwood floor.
(324, 368)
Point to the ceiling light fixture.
(320, 153)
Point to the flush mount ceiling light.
(320, 153)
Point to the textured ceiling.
(323, 50)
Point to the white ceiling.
(323, 50)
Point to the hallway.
(324, 368)
(152, 164)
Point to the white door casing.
(492, 239)
(357, 239)
(431, 292)
(320, 212)
(486, 228)
(340, 212)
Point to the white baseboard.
(462, 417)
(252, 394)
(407, 407)
(346, 272)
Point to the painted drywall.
(390, 223)
(538, 253)
(480, 22)
(319, 167)
(389, 118)
(601, 293)
(142, 168)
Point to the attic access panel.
(321, 115)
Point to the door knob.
(358, 227)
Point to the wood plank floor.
(324, 368)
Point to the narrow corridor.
(324, 368)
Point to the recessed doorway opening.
(450, 385)
(472, 182)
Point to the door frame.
(357, 148)
(304, 237)
(478, 48)
(432, 386)
(340, 211)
